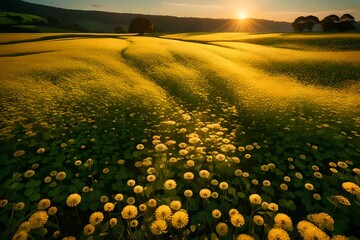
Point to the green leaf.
(35, 197)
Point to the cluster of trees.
(328, 24)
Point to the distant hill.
(97, 21)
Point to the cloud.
(191, 5)
(96, 6)
(327, 12)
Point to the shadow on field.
(24, 54)
(67, 37)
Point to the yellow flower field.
(180, 136)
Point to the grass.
(274, 115)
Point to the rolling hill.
(96, 21)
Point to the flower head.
(158, 227)
(129, 212)
(283, 221)
(163, 212)
(73, 200)
(278, 234)
(180, 219)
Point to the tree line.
(328, 24)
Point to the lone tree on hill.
(141, 25)
(302, 23)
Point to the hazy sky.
(286, 10)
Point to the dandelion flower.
(119, 197)
(204, 174)
(158, 227)
(29, 173)
(175, 205)
(244, 236)
(19, 206)
(237, 220)
(130, 200)
(19, 153)
(283, 221)
(233, 211)
(273, 207)
(142, 207)
(339, 237)
(131, 182)
(222, 229)
(134, 223)
(163, 212)
(170, 184)
(216, 213)
(255, 199)
(188, 193)
(89, 229)
(73, 200)
(38, 219)
(278, 234)
(309, 186)
(151, 178)
(108, 207)
(60, 176)
(180, 219)
(113, 222)
(152, 202)
(351, 188)
(284, 187)
(188, 176)
(44, 204)
(342, 200)
(258, 220)
(205, 193)
(20, 235)
(161, 147)
(138, 189)
(223, 185)
(96, 218)
(129, 212)
(322, 220)
(220, 157)
(52, 211)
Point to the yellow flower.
(113, 222)
(244, 237)
(258, 220)
(158, 227)
(44, 204)
(73, 200)
(163, 212)
(188, 176)
(223, 185)
(175, 205)
(188, 193)
(204, 174)
(180, 219)
(283, 221)
(138, 189)
(3, 202)
(233, 211)
(134, 223)
(142, 207)
(222, 229)
(216, 213)
(52, 211)
(119, 197)
(322, 220)
(152, 202)
(89, 229)
(24, 226)
(255, 199)
(19, 153)
(29, 173)
(38, 219)
(108, 207)
(351, 188)
(96, 218)
(19, 206)
(342, 200)
(161, 147)
(314, 233)
(131, 182)
(60, 176)
(273, 207)
(129, 212)
(205, 193)
(169, 184)
(309, 186)
(22, 235)
(278, 234)
(339, 237)
(237, 220)
(130, 200)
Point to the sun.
(242, 15)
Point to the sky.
(278, 10)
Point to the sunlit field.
(182, 136)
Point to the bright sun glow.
(242, 15)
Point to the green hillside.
(248, 134)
